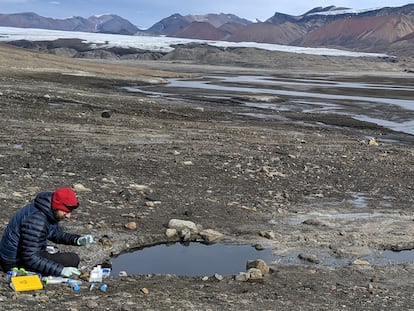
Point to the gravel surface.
(320, 190)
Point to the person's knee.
(74, 259)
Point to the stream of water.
(395, 110)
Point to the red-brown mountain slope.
(200, 30)
(362, 32)
(268, 33)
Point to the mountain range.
(382, 30)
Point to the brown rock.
(131, 225)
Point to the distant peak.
(101, 15)
(330, 8)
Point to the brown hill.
(369, 33)
(33, 20)
(217, 20)
(230, 28)
(268, 33)
(104, 23)
(403, 46)
(409, 37)
(365, 30)
(175, 23)
(200, 30)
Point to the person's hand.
(69, 271)
(84, 240)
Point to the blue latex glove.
(84, 240)
(69, 271)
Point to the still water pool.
(195, 259)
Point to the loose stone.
(258, 264)
(131, 225)
(210, 235)
(309, 257)
(170, 232)
(181, 224)
(255, 274)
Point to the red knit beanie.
(64, 199)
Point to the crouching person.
(24, 242)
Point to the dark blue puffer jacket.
(27, 234)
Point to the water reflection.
(209, 85)
(195, 259)
(261, 80)
(398, 257)
(306, 95)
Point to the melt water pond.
(194, 259)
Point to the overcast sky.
(145, 13)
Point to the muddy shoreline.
(155, 159)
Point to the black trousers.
(65, 259)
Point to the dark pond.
(196, 259)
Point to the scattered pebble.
(131, 225)
(218, 277)
(81, 188)
(106, 113)
(375, 279)
(171, 232)
(360, 262)
(268, 235)
(122, 273)
(309, 257)
(373, 142)
(258, 264)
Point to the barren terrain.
(279, 183)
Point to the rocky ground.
(137, 162)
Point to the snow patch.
(346, 11)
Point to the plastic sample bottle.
(75, 284)
(96, 274)
(103, 287)
(19, 272)
(106, 272)
(9, 275)
(54, 279)
(75, 287)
